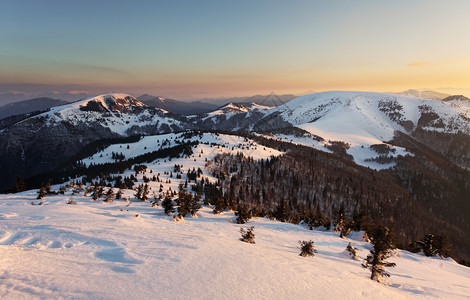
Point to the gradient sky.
(195, 49)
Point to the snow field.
(103, 251)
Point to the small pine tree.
(383, 241)
(20, 185)
(138, 194)
(167, 205)
(119, 194)
(194, 205)
(145, 193)
(109, 195)
(307, 248)
(248, 235)
(352, 251)
(243, 214)
(41, 193)
(339, 221)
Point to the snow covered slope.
(210, 144)
(118, 112)
(362, 119)
(239, 108)
(97, 250)
(433, 95)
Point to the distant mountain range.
(210, 104)
(433, 95)
(268, 100)
(27, 106)
(176, 106)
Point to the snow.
(234, 108)
(95, 250)
(223, 143)
(117, 122)
(356, 118)
(128, 249)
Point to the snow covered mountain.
(239, 108)
(120, 113)
(363, 119)
(43, 141)
(433, 95)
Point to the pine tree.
(281, 212)
(119, 194)
(339, 221)
(243, 214)
(433, 245)
(167, 205)
(20, 185)
(383, 241)
(194, 205)
(41, 193)
(138, 194)
(145, 193)
(248, 236)
(109, 195)
(307, 248)
(352, 251)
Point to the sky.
(200, 49)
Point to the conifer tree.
(20, 185)
(138, 194)
(339, 221)
(119, 194)
(243, 214)
(41, 193)
(145, 193)
(383, 241)
(352, 251)
(433, 245)
(307, 248)
(248, 235)
(167, 205)
(109, 195)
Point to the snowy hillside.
(210, 145)
(128, 250)
(362, 119)
(239, 108)
(433, 95)
(118, 112)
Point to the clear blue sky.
(191, 49)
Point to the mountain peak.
(115, 102)
(433, 95)
(456, 97)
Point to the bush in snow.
(307, 248)
(383, 241)
(71, 201)
(352, 251)
(248, 235)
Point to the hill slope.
(103, 251)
